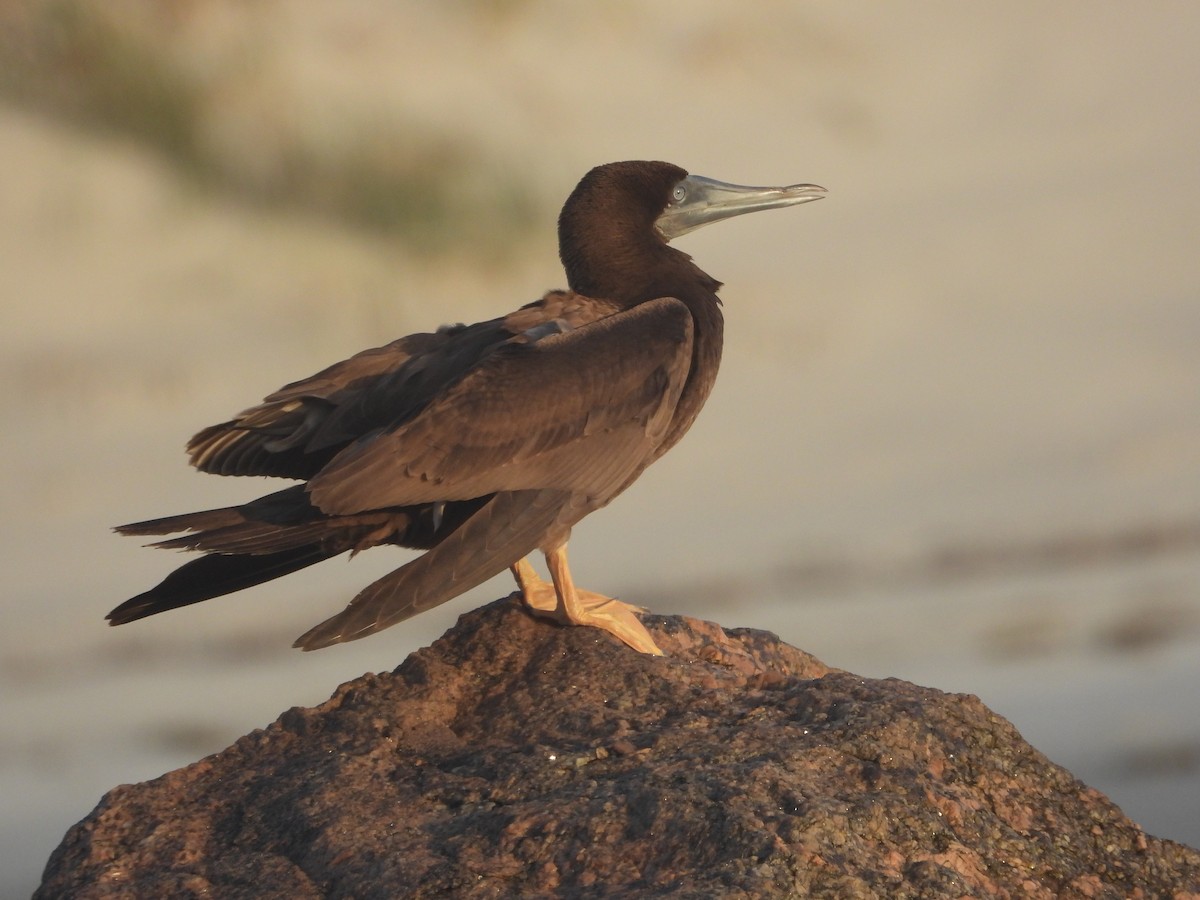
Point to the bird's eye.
(679, 193)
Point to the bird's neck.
(630, 269)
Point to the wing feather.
(273, 437)
(506, 528)
(298, 429)
(578, 411)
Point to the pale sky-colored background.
(956, 436)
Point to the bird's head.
(614, 228)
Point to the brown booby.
(481, 443)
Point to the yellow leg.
(537, 593)
(564, 603)
(541, 597)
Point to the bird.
(481, 444)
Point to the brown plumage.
(481, 443)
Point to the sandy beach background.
(956, 436)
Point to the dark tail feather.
(282, 509)
(196, 521)
(509, 526)
(213, 576)
(287, 520)
(264, 539)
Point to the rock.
(515, 758)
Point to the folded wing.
(578, 411)
(298, 429)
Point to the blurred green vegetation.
(123, 67)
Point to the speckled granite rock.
(517, 758)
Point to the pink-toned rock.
(514, 758)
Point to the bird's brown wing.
(298, 429)
(507, 527)
(274, 437)
(579, 411)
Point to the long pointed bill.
(697, 200)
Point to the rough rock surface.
(518, 758)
